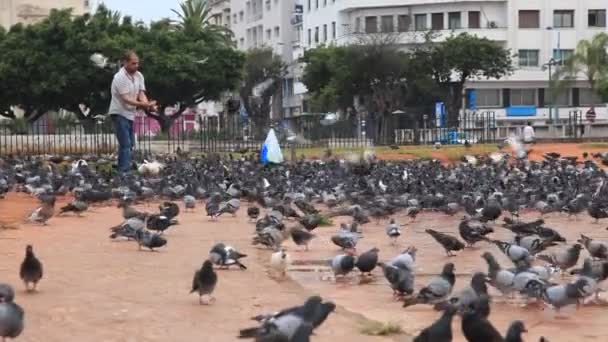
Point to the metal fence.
(230, 133)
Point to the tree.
(263, 72)
(591, 60)
(195, 20)
(459, 59)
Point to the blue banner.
(440, 114)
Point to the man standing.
(128, 94)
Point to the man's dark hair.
(529, 123)
(127, 55)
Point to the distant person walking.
(128, 94)
(528, 134)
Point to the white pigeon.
(280, 261)
(150, 168)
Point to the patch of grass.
(374, 328)
(594, 145)
(326, 222)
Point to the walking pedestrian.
(128, 94)
(528, 133)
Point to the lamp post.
(552, 62)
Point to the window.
(317, 35)
(242, 42)
(268, 34)
(324, 32)
(309, 37)
(324, 3)
(387, 23)
(588, 98)
(333, 30)
(309, 5)
(234, 18)
(420, 22)
(528, 58)
(357, 25)
(562, 55)
(454, 20)
(523, 97)
(403, 23)
(563, 18)
(437, 21)
(277, 31)
(371, 24)
(316, 3)
(597, 18)
(561, 98)
(529, 19)
(268, 5)
(487, 98)
(241, 16)
(474, 21)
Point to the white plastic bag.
(271, 151)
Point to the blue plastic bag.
(271, 150)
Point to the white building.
(220, 12)
(536, 30)
(31, 11)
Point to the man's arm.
(142, 97)
(123, 88)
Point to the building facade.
(31, 11)
(538, 32)
(220, 12)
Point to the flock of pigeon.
(291, 201)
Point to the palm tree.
(591, 60)
(195, 19)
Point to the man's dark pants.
(123, 128)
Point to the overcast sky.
(146, 10)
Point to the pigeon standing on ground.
(558, 296)
(280, 261)
(31, 269)
(393, 231)
(225, 256)
(597, 249)
(473, 231)
(343, 264)
(159, 223)
(149, 240)
(563, 259)
(476, 327)
(76, 206)
(501, 279)
(253, 213)
(440, 330)
(514, 252)
(7, 293)
(438, 289)
(448, 242)
(301, 237)
(467, 296)
(189, 202)
(43, 213)
(204, 282)
(11, 316)
(367, 261)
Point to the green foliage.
(46, 66)
(195, 20)
(589, 59)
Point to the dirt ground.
(98, 290)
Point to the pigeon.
(500, 278)
(366, 262)
(473, 231)
(533, 243)
(448, 242)
(128, 212)
(169, 209)
(514, 332)
(76, 206)
(43, 213)
(400, 278)
(597, 211)
(343, 264)
(491, 211)
(406, 259)
(127, 229)
(523, 228)
(393, 231)
(311, 221)
(280, 261)
(437, 290)
(149, 240)
(11, 320)
(253, 213)
(231, 207)
(301, 237)
(563, 259)
(597, 249)
(226, 256)
(557, 296)
(346, 239)
(440, 330)
(159, 223)
(213, 205)
(204, 281)
(189, 202)
(31, 269)
(288, 324)
(305, 207)
(514, 252)
(476, 327)
(466, 297)
(7, 293)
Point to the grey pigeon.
(230, 207)
(393, 231)
(301, 237)
(225, 256)
(7, 294)
(563, 259)
(204, 281)
(189, 202)
(472, 231)
(31, 269)
(597, 249)
(11, 320)
(514, 332)
(514, 252)
(558, 296)
(149, 240)
(500, 278)
(534, 244)
(343, 264)
(346, 239)
(448, 242)
(76, 206)
(437, 290)
(466, 297)
(476, 327)
(400, 278)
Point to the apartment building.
(31, 11)
(220, 12)
(539, 32)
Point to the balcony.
(498, 34)
(349, 5)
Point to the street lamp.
(551, 63)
